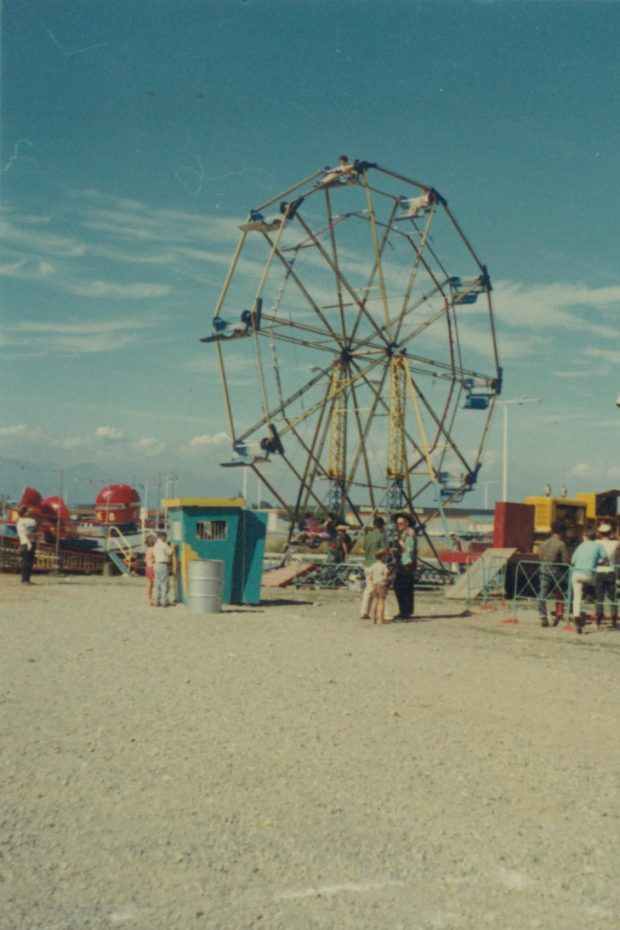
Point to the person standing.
(457, 546)
(344, 540)
(379, 575)
(149, 569)
(373, 541)
(328, 527)
(335, 552)
(586, 557)
(404, 577)
(163, 552)
(606, 581)
(553, 553)
(26, 527)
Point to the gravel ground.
(291, 767)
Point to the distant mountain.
(79, 484)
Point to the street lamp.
(505, 404)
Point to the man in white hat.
(606, 582)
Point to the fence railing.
(553, 581)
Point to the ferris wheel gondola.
(353, 329)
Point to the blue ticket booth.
(219, 528)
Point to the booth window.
(211, 530)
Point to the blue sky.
(136, 136)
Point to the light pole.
(170, 484)
(505, 404)
(486, 493)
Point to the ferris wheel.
(355, 339)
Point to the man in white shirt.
(26, 527)
(163, 552)
(586, 557)
(606, 580)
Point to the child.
(379, 578)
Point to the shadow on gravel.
(428, 618)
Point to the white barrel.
(204, 588)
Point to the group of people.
(157, 559)
(313, 532)
(593, 564)
(157, 564)
(389, 560)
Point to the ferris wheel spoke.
(315, 470)
(280, 331)
(418, 249)
(400, 177)
(378, 255)
(272, 490)
(438, 285)
(327, 327)
(416, 266)
(313, 457)
(443, 432)
(363, 430)
(338, 282)
(493, 334)
(290, 190)
(424, 298)
(283, 405)
(405, 435)
(279, 327)
(375, 268)
(340, 276)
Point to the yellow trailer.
(571, 512)
(601, 508)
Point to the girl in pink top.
(149, 569)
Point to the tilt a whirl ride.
(355, 338)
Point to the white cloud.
(572, 373)
(83, 327)
(134, 221)
(108, 434)
(12, 269)
(107, 440)
(581, 470)
(73, 442)
(60, 276)
(149, 446)
(548, 306)
(47, 243)
(606, 355)
(76, 337)
(20, 431)
(109, 289)
(90, 344)
(207, 439)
